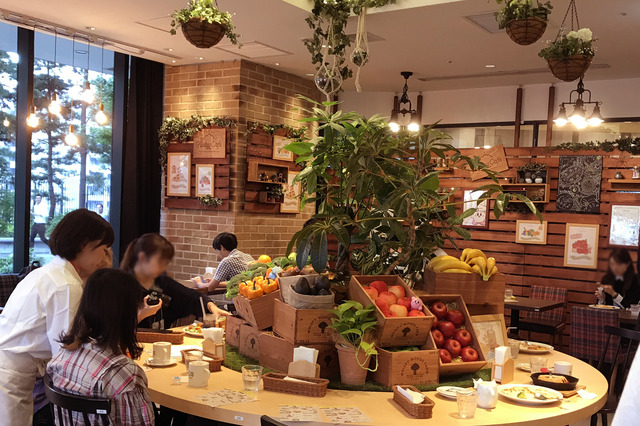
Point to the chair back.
(548, 293)
(65, 405)
(627, 344)
(268, 421)
(588, 337)
(7, 283)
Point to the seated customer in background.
(147, 259)
(620, 283)
(94, 360)
(232, 261)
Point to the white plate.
(608, 307)
(533, 388)
(151, 363)
(548, 348)
(525, 366)
(191, 333)
(448, 391)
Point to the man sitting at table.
(232, 261)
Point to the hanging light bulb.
(578, 117)
(393, 123)
(101, 118)
(32, 119)
(87, 95)
(71, 139)
(54, 106)
(6, 122)
(561, 119)
(414, 126)
(596, 118)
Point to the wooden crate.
(301, 326)
(457, 368)
(411, 368)
(489, 294)
(232, 330)
(257, 312)
(250, 341)
(392, 332)
(276, 353)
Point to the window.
(487, 136)
(606, 131)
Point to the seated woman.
(620, 283)
(147, 259)
(95, 360)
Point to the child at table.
(620, 283)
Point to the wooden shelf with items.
(536, 192)
(268, 168)
(625, 184)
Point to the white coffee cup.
(199, 374)
(562, 367)
(161, 352)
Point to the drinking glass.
(635, 310)
(467, 403)
(209, 321)
(515, 348)
(192, 356)
(251, 375)
(508, 293)
(537, 363)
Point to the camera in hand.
(155, 295)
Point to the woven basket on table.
(424, 410)
(526, 31)
(175, 337)
(571, 68)
(309, 387)
(203, 34)
(215, 362)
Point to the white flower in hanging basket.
(585, 35)
(572, 34)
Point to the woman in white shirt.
(42, 306)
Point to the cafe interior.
(374, 212)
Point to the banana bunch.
(449, 264)
(480, 264)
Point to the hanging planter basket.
(526, 31)
(571, 68)
(203, 34)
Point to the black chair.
(268, 421)
(69, 404)
(627, 345)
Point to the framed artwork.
(280, 142)
(491, 332)
(480, 219)
(291, 202)
(179, 174)
(494, 158)
(204, 179)
(581, 245)
(531, 232)
(210, 143)
(579, 178)
(625, 221)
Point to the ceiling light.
(487, 146)
(173, 61)
(101, 118)
(561, 119)
(309, 74)
(579, 115)
(277, 63)
(490, 66)
(32, 119)
(414, 123)
(596, 118)
(87, 95)
(71, 139)
(54, 106)
(169, 49)
(199, 57)
(91, 28)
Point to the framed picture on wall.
(291, 202)
(491, 332)
(581, 245)
(210, 143)
(625, 221)
(279, 142)
(205, 179)
(179, 174)
(531, 232)
(480, 218)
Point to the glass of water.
(467, 403)
(537, 363)
(251, 375)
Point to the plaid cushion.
(7, 283)
(588, 337)
(548, 293)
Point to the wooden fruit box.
(232, 330)
(250, 341)
(257, 312)
(393, 332)
(276, 353)
(410, 368)
(457, 368)
(469, 286)
(301, 326)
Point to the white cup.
(199, 374)
(161, 352)
(562, 367)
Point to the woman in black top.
(147, 259)
(620, 283)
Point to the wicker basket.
(203, 34)
(526, 31)
(175, 337)
(275, 382)
(571, 68)
(214, 365)
(424, 410)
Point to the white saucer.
(151, 363)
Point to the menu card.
(224, 397)
(345, 415)
(299, 413)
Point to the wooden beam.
(419, 109)
(516, 130)
(550, 105)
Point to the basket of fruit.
(307, 292)
(255, 301)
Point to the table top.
(533, 305)
(378, 406)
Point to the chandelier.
(399, 108)
(579, 115)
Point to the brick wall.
(246, 92)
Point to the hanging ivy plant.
(210, 201)
(630, 145)
(291, 132)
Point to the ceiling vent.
(503, 73)
(253, 50)
(486, 21)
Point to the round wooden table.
(378, 406)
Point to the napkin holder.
(304, 369)
(503, 367)
(217, 349)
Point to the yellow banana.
(491, 262)
(456, 271)
(481, 262)
(474, 253)
(464, 254)
(476, 269)
(439, 259)
(494, 271)
(451, 264)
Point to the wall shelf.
(537, 192)
(625, 184)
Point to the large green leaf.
(319, 252)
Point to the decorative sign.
(479, 219)
(625, 221)
(210, 143)
(179, 174)
(581, 245)
(291, 202)
(279, 142)
(531, 232)
(491, 333)
(204, 179)
(494, 158)
(579, 178)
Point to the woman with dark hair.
(96, 359)
(620, 283)
(42, 306)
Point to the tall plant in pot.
(203, 24)
(524, 20)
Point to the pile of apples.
(453, 341)
(392, 301)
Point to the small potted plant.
(524, 22)
(203, 24)
(353, 326)
(570, 55)
(533, 172)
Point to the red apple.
(445, 356)
(372, 292)
(469, 354)
(434, 326)
(382, 305)
(447, 329)
(456, 318)
(398, 290)
(439, 309)
(380, 286)
(387, 313)
(404, 301)
(438, 338)
(416, 313)
(453, 346)
(398, 310)
(390, 298)
(463, 337)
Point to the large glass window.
(606, 131)
(488, 136)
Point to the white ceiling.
(432, 38)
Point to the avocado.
(323, 292)
(322, 282)
(302, 286)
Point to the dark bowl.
(573, 381)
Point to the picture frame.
(205, 180)
(280, 142)
(210, 143)
(179, 174)
(581, 245)
(624, 226)
(494, 158)
(291, 202)
(491, 332)
(480, 219)
(531, 232)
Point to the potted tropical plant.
(569, 56)
(524, 21)
(203, 24)
(354, 326)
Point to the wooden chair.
(588, 336)
(66, 404)
(627, 344)
(268, 421)
(551, 322)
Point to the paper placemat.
(299, 413)
(345, 415)
(222, 397)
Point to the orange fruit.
(264, 259)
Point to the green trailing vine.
(291, 132)
(630, 145)
(210, 201)
(521, 9)
(207, 11)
